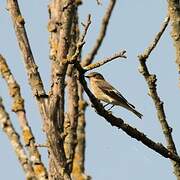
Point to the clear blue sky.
(110, 153)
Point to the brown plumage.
(102, 90)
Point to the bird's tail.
(138, 114)
(132, 109)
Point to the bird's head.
(94, 75)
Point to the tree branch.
(78, 117)
(71, 115)
(90, 56)
(14, 139)
(153, 44)
(151, 82)
(80, 42)
(119, 123)
(32, 69)
(79, 157)
(106, 60)
(18, 108)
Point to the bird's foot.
(105, 105)
(110, 108)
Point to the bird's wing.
(111, 91)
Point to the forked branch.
(14, 139)
(105, 21)
(151, 82)
(18, 108)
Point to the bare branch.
(80, 41)
(76, 115)
(86, 27)
(14, 139)
(18, 108)
(71, 116)
(79, 157)
(153, 44)
(151, 82)
(133, 132)
(119, 123)
(106, 60)
(90, 56)
(32, 69)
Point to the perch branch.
(119, 123)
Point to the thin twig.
(106, 60)
(153, 44)
(151, 82)
(18, 108)
(81, 42)
(14, 139)
(105, 21)
(86, 27)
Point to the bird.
(104, 91)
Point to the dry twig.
(90, 56)
(151, 82)
(106, 60)
(153, 44)
(80, 42)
